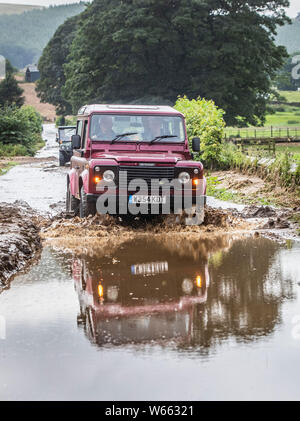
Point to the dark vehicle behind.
(65, 144)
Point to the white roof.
(112, 108)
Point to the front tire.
(86, 208)
(62, 161)
(72, 204)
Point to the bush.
(12, 150)
(232, 157)
(20, 131)
(34, 118)
(280, 170)
(205, 120)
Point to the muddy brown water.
(154, 318)
(217, 320)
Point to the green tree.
(52, 77)
(20, 130)
(204, 120)
(219, 49)
(10, 92)
(9, 68)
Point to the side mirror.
(76, 141)
(196, 144)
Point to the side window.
(79, 127)
(84, 136)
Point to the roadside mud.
(22, 160)
(97, 232)
(102, 233)
(21, 231)
(251, 188)
(19, 238)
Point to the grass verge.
(7, 167)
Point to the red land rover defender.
(138, 156)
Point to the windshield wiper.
(119, 136)
(162, 137)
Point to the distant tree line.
(154, 50)
(23, 36)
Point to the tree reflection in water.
(189, 294)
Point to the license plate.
(150, 268)
(148, 199)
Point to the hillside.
(31, 32)
(16, 9)
(47, 111)
(289, 36)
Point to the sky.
(292, 11)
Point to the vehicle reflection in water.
(159, 291)
(136, 300)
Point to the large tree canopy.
(133, 50)
(51, 66)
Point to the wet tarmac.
(40, 184)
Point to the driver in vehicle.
(103, 128)
(153, 128)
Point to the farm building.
(32, 74)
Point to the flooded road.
(217, 319)
(41, 184)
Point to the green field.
(291, 96)
(288, 118)
(285, 115)
(285, 121)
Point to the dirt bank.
(19, 238)
(253, 189)
(21, 231)
(46, 110)
(22, 160)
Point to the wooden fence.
(280, 134)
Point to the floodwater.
(216, 319)
(40, 184)
(155, 318)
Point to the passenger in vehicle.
(153, 128)
(102, 129)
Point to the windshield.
(66, 134)
(135, 128)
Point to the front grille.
(147, 174)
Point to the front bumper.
(172, 202)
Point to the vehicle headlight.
(184, 177)
(112, 293)
(108, 176)
(187, 286)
